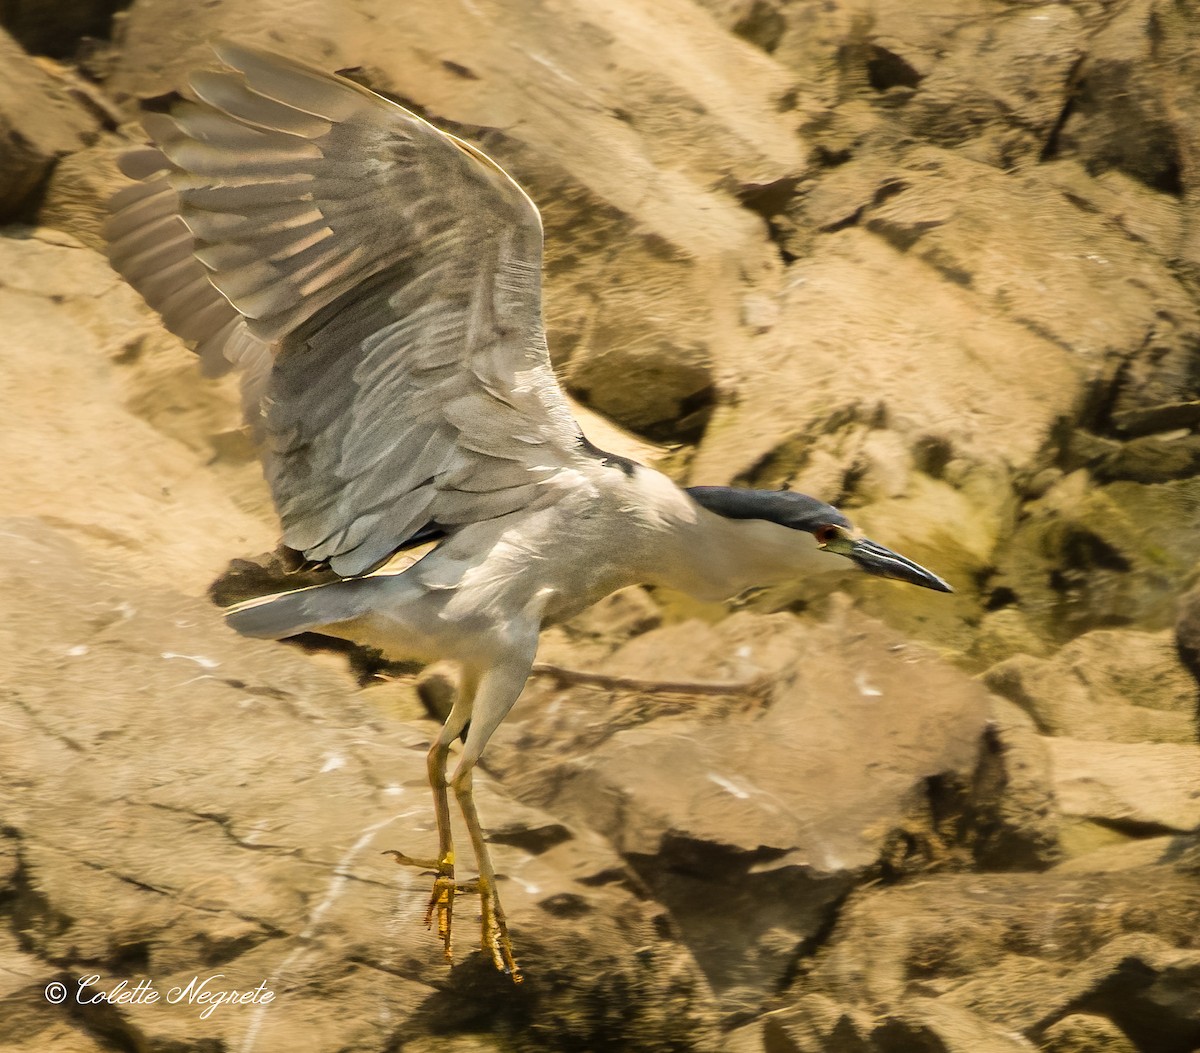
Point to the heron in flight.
(378, 283)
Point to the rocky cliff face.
(938, 263)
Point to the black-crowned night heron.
(378, 283)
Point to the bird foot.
(445, 888)
(494, 939)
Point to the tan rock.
(1099, 275)
(1128, 855)
(182, 801)
(1145, 214)
(69, 324)
(60, 35)
(951, 1027)
(772, 814)
(1122, 117)
(39, 123)
(1026, 994)
(1085, 556)
(814, 1023)
(1136, 784)
(859, 308)
(1018, 952)
(803, 418)
(1133, 112)
(1085, 1033)
(1015, 817)
(1005, 117)
(1005, 632)
(1117, 685)
(76, 198)
(1187, 631)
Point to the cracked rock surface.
(182, 803)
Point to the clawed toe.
(494, 940)
(441, 904)
(441, 900)
(494, 927)
(411, 861)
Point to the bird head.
(832, 531)
(872, 557)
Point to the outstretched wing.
(381, 282)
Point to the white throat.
(712, 557)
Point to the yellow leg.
(441, 901)
(483, 701)
(498, 689)
(494, 937)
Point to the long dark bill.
(875, 559)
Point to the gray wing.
(378, 279)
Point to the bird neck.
(723, 557)
(711, 556)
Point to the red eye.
(825, 534)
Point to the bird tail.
(299, 611)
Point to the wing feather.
(380, 281)
(150, 244)
(229, 94)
